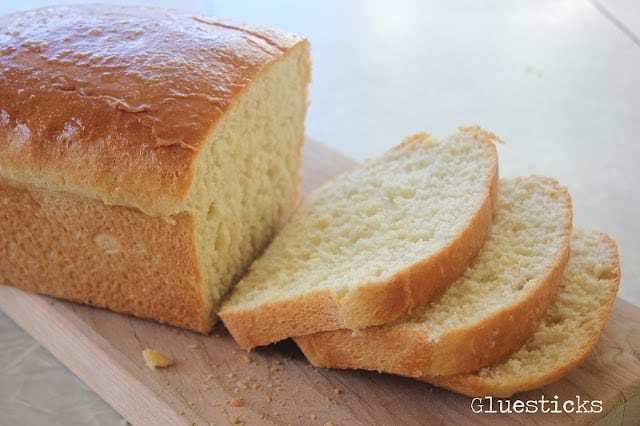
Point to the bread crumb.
(192, 346)
(236, 402)
(155, 359)
(330, 424)
(235, 420)
(313, 417)
(247, 359)
(337, 391)
(242, 384)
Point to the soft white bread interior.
(246, 179)
(569, 331)
(146, 156)
(488, 313)
(372, 244)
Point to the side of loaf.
(146, 156)
(570, 329)
(488, 313)
(372, 244)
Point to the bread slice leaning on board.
(570, 329)
(488, 313)
(372, 244)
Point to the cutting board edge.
(70, 328)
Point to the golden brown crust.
(113, 102)
(113, 257)
(475, 386)
(408, 352)
(373, 303)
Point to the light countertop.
(559, 81)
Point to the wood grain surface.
(215, 382)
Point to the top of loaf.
(114, 102)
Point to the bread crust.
(476, 386)
(114, 102)
(407, 351)
(372, 303)
(113, 257)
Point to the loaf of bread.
(146, 156)
(570, 329)
(490, 311)
(372, 244)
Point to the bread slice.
(372, 244)
(488, 313)
(146, 156)
(569, 331)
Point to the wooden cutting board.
(215, 382)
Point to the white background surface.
(559, 81)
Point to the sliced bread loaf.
(488, 313)
(373, 244)
(567, 334)
(147, 156)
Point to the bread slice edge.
(476, 384)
